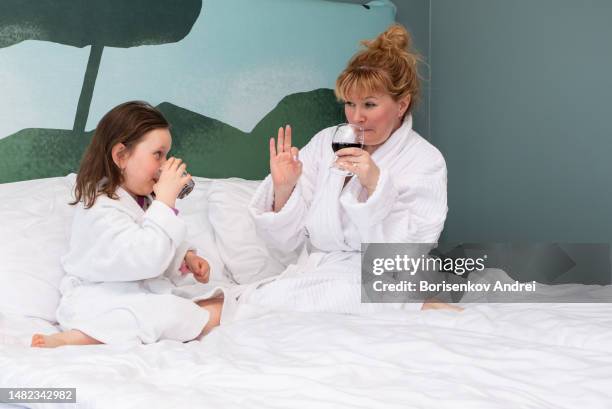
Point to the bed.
(231, 96)
(492, 355)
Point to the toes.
(38, 340)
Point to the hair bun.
(386, 64)
(394, 38)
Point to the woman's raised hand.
(285, 167)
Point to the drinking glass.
(346, 136)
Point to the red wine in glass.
(336, 146)
(346, 136)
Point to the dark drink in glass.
(336, 146)
(346, 136)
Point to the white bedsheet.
(489, 356)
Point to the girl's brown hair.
(127, 124)
(387, 64)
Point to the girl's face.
(141, 165)
(378, 113)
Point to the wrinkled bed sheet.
(489, 356)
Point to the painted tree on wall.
(99, 24)
(211, 147)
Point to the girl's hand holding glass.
(172, 179)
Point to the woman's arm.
(279, 209)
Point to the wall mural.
(226, 74)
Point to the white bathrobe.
(122, 271)
(407, 206)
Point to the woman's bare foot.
(72, 337)
(214, 307)
(436, 305)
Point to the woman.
(397, 193)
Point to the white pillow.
(194, 210)
(246, 256)
(35, 221)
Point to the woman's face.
(378, 113)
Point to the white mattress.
(489, 356)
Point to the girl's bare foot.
(72, 337)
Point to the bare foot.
(45, 341)
(434, 305)
(214, 307)
(72, 337)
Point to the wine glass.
(346, 136)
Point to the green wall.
(520, 108)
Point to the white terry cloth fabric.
(408, 206)
(122, 271)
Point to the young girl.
(126, 247)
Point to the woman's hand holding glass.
(171, 180)
(285, 167)
(360, 163)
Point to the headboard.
(226, 73)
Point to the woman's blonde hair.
(386, 64)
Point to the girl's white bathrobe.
(121, 271)
(407, 206)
